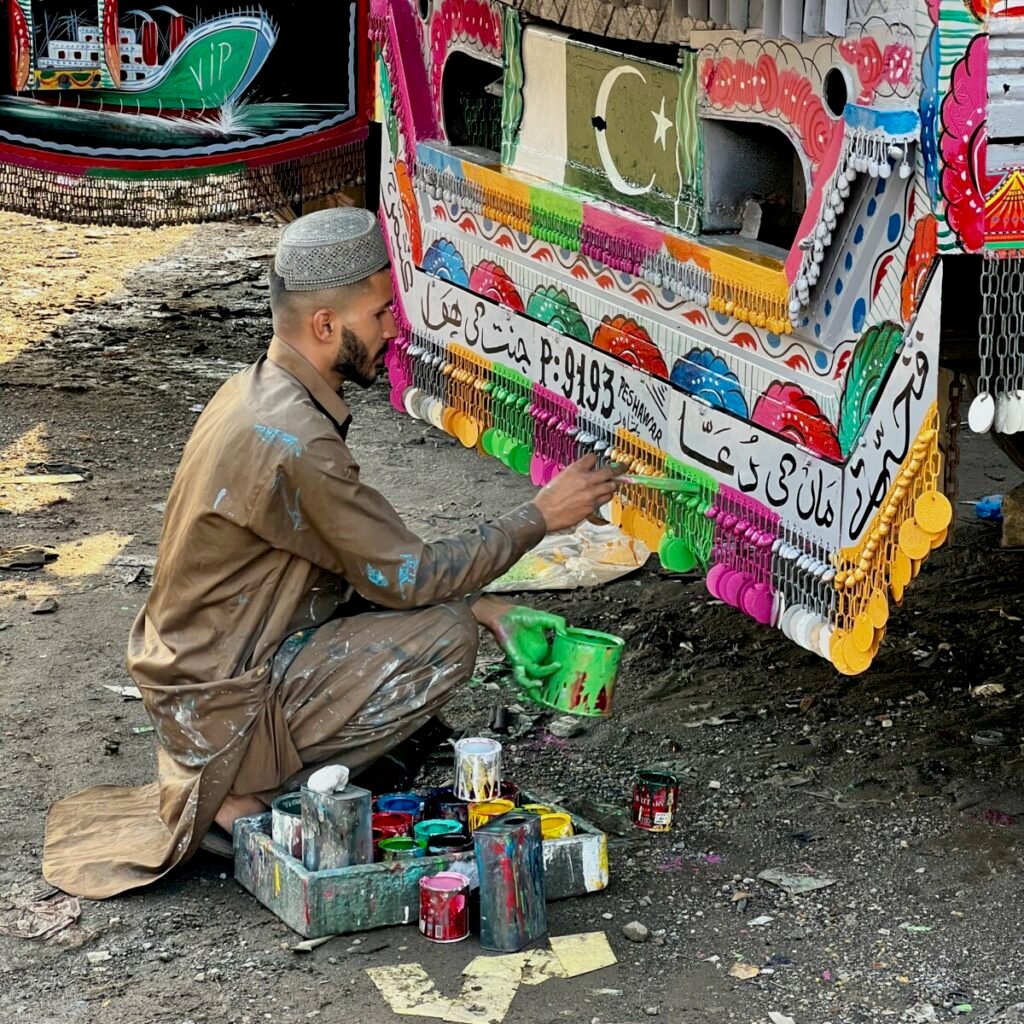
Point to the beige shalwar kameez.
(269, 531)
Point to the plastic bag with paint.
(589, 556)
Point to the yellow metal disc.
(862, 636)
(467, 430)
(938, 539)
(616, 510)
(933, 511)
(878, 609)
(901, 569)
(896, 587)
(914, 542)
(915, 567)
(879, 636)
(857, 659)
(835, 644)
(448, 420)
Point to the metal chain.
(987, 323)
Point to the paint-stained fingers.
(538, 671)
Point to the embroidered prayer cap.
(329, 249)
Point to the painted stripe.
(543, 135)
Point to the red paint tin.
(444, 907)
(655, 796)
(389, 825)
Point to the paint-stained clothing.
(268, 530)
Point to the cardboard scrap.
(583, 953)
(408, 990)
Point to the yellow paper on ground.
(487, 992)
(408, 990)
(536, 965)
(583, 953)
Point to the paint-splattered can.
(444, 907)
(401, 803)
(336, 829)
(453, 809)
(555, 825)
(487, 809)
(435, 827)
(392, 823)
(655, 796)
(510, 860)
(286, 823)
(401, 848)
(538, 808)
(389, 825)
(589, 666)
(477, 769)
(443, 845)
(509, 791)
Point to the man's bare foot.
(238, 807)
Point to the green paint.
(387, 97)
(355, 899)
(588, 667)
(647, 117)
(556, 216)
(512, 90)
(872, 357)
(689, 534)
(183, 173)
(511, 439)
(551, 306)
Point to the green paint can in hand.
(585, 680)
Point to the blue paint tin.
(401, 803)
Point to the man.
(293, 618)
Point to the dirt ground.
(874, 781)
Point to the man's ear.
(324, 324)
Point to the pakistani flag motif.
(615, 127)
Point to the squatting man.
(294, 619)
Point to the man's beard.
(353, 362)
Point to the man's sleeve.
(316, 507)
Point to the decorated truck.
(727, 243)
(154, 115)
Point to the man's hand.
(577, 492)
(522, 634)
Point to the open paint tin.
(444, 907)
(585, 680)
(286, 823)
(477, 769)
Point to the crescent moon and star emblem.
(661, 122)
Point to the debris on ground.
(795, 883)
(26, 557)
(636, 932)
(566, 727)
(744, 972)
(45, 606)
(491, 982)
(128, 692)
(24, 916)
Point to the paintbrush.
(662, 483)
